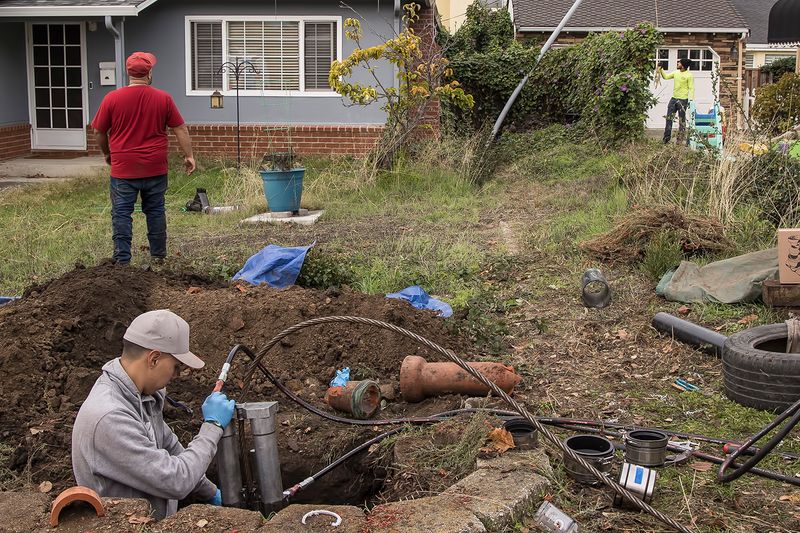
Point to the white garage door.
(704, 63)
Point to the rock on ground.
(437, 513)
(211, 519)
(289, 520)
(503, 488)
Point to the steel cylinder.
(229, 467)
(262, 418)
(597, 451)
(646, 448)
(639, 480)
(595, 291)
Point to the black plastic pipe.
(690, 333)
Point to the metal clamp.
(320, 512)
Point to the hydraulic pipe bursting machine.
(258, 454)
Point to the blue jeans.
(123, 199)
(679, 106)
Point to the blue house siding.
(160, 29)
(13, 81)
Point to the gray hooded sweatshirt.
(121, 446)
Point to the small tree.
(422, 76)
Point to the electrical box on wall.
(108, 73)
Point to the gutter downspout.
(739, 79)
(498, 124)
(119, 49)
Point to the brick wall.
(721, 43)
(15, 141)
(220, 139)
(426, 29)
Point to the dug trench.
(54, 341)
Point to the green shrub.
(780, 67)
(603, 81)
(777, 108)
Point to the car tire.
(756, 376)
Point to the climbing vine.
(602, 82)
(422, 76)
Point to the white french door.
(57, 85)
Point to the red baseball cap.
(139, 64)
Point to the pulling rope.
(449, 354)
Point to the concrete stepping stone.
(289, 520)
(437, 513)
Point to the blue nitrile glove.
(218, 409)
(217, 499)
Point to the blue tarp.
(342, 377)
(6, 299)
(274, 265)
(416, 296)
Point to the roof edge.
(623, 28)
(76, 11)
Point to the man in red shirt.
(131, 130)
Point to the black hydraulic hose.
(690, 333)
(451, 356)
(793, 412)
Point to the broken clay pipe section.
(420, 379)
(74, 494)
(362, 399)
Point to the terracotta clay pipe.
(420, 379)
(361, 398)
(72, 494)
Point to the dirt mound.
(54, 341)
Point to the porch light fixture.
(735, 51)
(217, 100)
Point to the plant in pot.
(283, 180)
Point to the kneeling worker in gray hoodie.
(121, 446)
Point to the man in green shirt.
(682, 93)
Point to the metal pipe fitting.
(689, 333)
(595, 291)
(265, 443)
(229, 467)
(646, 448)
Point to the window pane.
(74, 98)
(41, 77)
(56, 55)
(42, 118)
(707, 65)
(57, 76)
(59, 118)
(206, 39)
(274, 49)
(694, 54)
(72, 34)
(320, 49)
(74, 77)
(58, 98)
(707, 54)
(42, 97)
(683, 53)
(39, 32)
(75, 118)
(73, 55)
(56, 34)
(40, 56)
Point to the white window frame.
(226, 91)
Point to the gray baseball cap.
(166, 332)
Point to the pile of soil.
(54, 341)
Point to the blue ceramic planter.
(283, 189)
